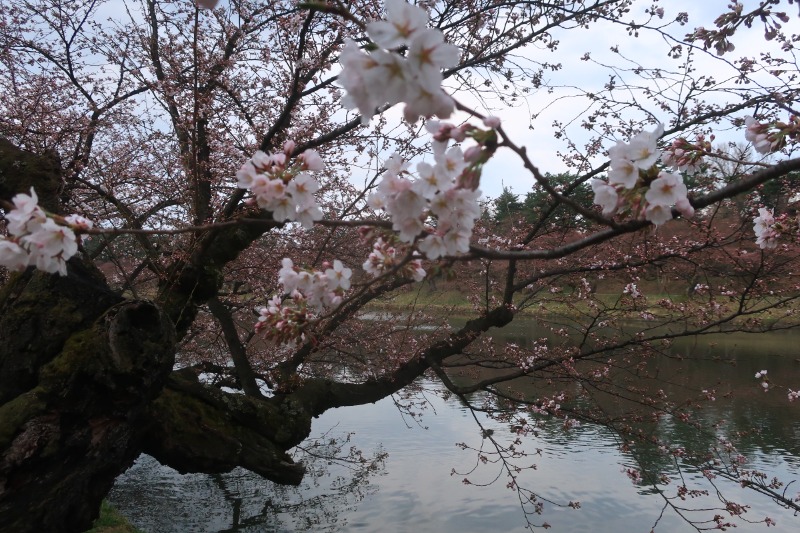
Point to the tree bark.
(74, 397)
(78, 366)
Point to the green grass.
(450, 297)
(110, 521)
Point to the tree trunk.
(79, 366)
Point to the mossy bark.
(78, 366)
(79, 423)
(198, 428)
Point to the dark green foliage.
(777, 194)
(538, 204)
(506, 205)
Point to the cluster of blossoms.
(633, 474)
(305, 293)
(635, 182)
(767, 229)
(37, 239)
(684, 156)
(285, 190)
(446, 191)
(632, 289)
(768, 138)
(385, 257)
(762, 375)
(383, 76)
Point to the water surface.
(420, 484)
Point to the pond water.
(414, 487)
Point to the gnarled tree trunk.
(82, 390)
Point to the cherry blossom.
(765, 230)
(633, 182)
(440, 191)
(403, 22)
(26, 216)
(623, 172)
(306, 293)
(685, 156)
(643, 148)
(628, 158)
(491, 122)
(757, 134)
(286, 191)
(385, 257)
(36, 239)
(338, 276)
(605, 196)
(762, 375)
(427, 55)
(384, 76)
(12, 255)
(664, 191)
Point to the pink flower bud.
(472, 154)
(459, 134)
(491, 122)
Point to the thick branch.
(323, 394)
(197, 428)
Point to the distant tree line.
(538, 205)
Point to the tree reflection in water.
(422, 488)
(157, 499)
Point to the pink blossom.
(12, 255)
(491, 122)
(605, 196)
(403, 22)
(26, 215)
(308, 213)
(427, 55)
(666, 190)
(311, 160)
(433, 247)
(764, 228)
(658, 213)
(338, 276)
(643, 148)
(756, 133)
(623, 172)
(301, 189)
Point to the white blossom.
(605, 196)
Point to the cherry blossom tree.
(203, 201)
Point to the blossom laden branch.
(287, 191)
(38, 239)
(307, 293)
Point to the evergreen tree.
(506, 205)
(539, 204)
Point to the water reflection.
(417, 490)
(157, 499)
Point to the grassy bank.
(447, 299)
(110, 521)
